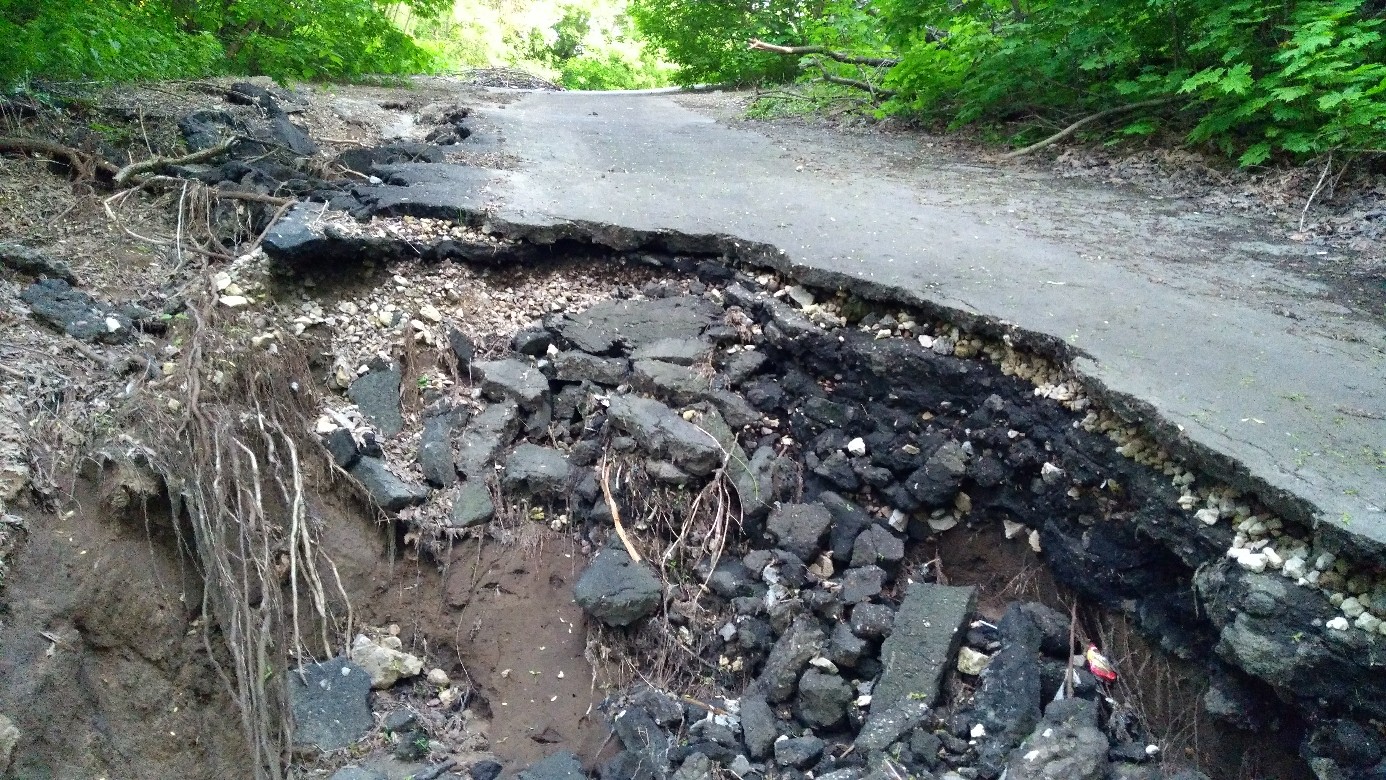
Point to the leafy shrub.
(150, 39)
(1254, 78)
(610, 71)
(72, 39)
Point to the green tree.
(1253, 78)
(143, 39)
(707, 39)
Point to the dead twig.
(1323, 177)
(616, 511)
(861, 84)
(349, 141)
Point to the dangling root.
(241, 480)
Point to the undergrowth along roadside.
(1254, 80)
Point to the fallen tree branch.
(1084, 122)
(155, 163)
(851, 59)
(856, 83)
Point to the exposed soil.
(106, 673)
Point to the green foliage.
(581, 44)
(1254, 78)
(76, 39)
(611, 71)
(707, 38)
(114, 40)
(817, 98)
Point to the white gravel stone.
(857, 447)
(383, 660)
(1339, 623)
(943, 523)
(971, 661)
(898, 520)
(1352, 607)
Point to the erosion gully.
(886, 545)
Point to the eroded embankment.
(752, 517)
(868, 426)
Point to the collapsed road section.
(794, 465)
(426, 490)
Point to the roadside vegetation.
(581, 44)
(1255, 80)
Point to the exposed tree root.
(136, 169)
(195, 201)
(239, 479)
(84, 164)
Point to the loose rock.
(616, 590)
(384, 660)
(329, 704)
(663, 433)
(377, 395)
(386, 489)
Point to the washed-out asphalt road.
(1184, 318)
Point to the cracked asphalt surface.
(1179, 317)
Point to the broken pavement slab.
(929, 626)
(1157, 336)
(329, 703)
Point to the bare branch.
(156, 163)
(851, 59)
(861, 84)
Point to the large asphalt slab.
(1179, 317)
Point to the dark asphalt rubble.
(855, 449)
